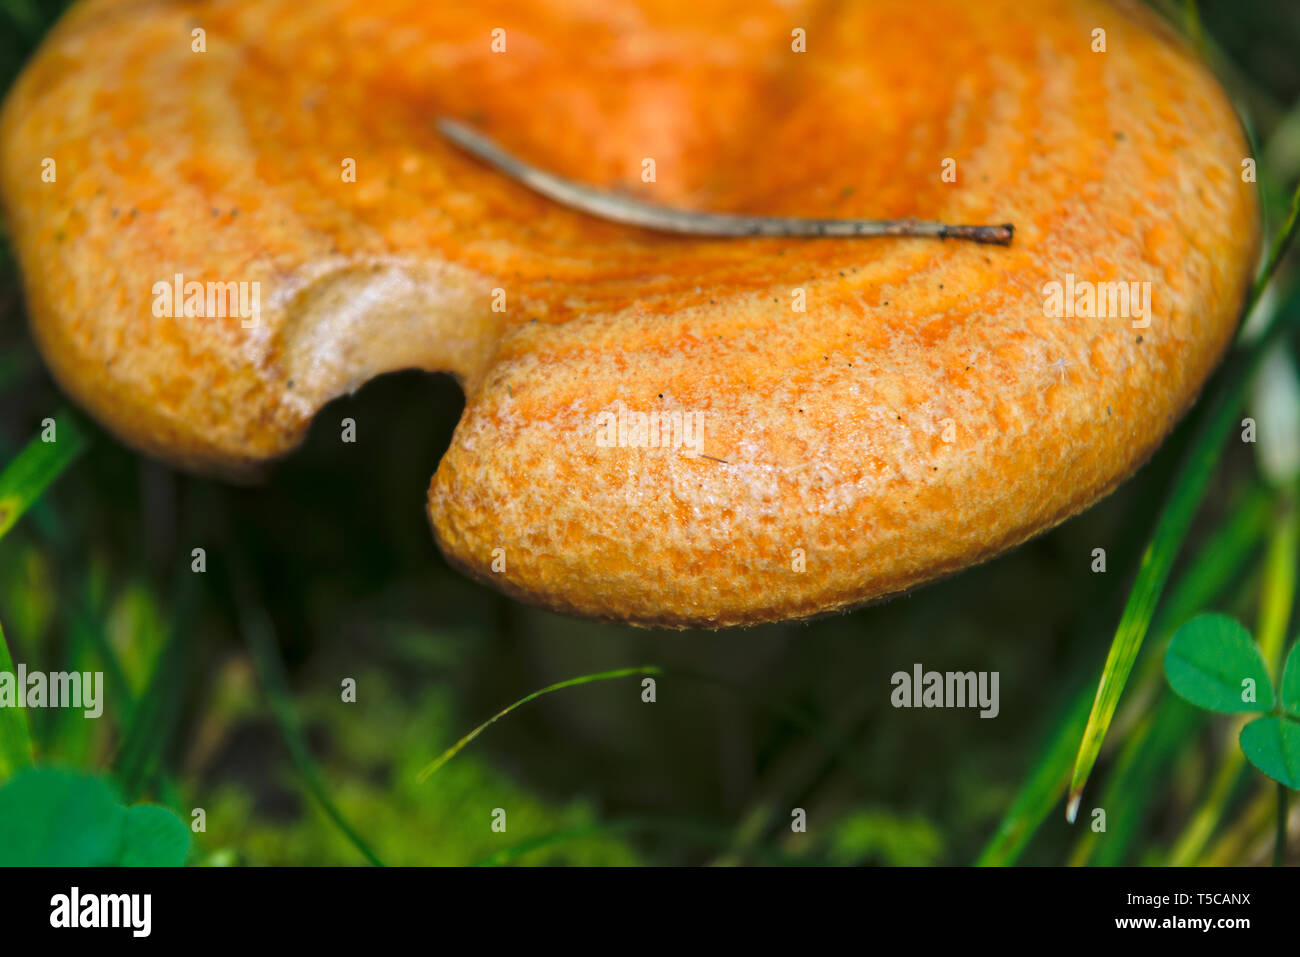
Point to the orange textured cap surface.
(661, 430)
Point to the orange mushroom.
(658, 429)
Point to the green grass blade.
(83, 625)
(1275, 609)
(433, 766)
(260, 635)
(1140, 769)
(1041, 791)
(1220, 559)
(1281, 243)
(1195, 29)
(1157, 561)
(36, 466)
(1215, 566)
(155, 713)
(1189, 846)
(1174, 522)
(1279, 588)
(15, 734)
(834, 744)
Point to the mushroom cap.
(924, 411)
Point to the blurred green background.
(328, 571)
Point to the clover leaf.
(1272, 744)
(1215, 664)
(54, 817)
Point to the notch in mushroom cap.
(658, 430)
